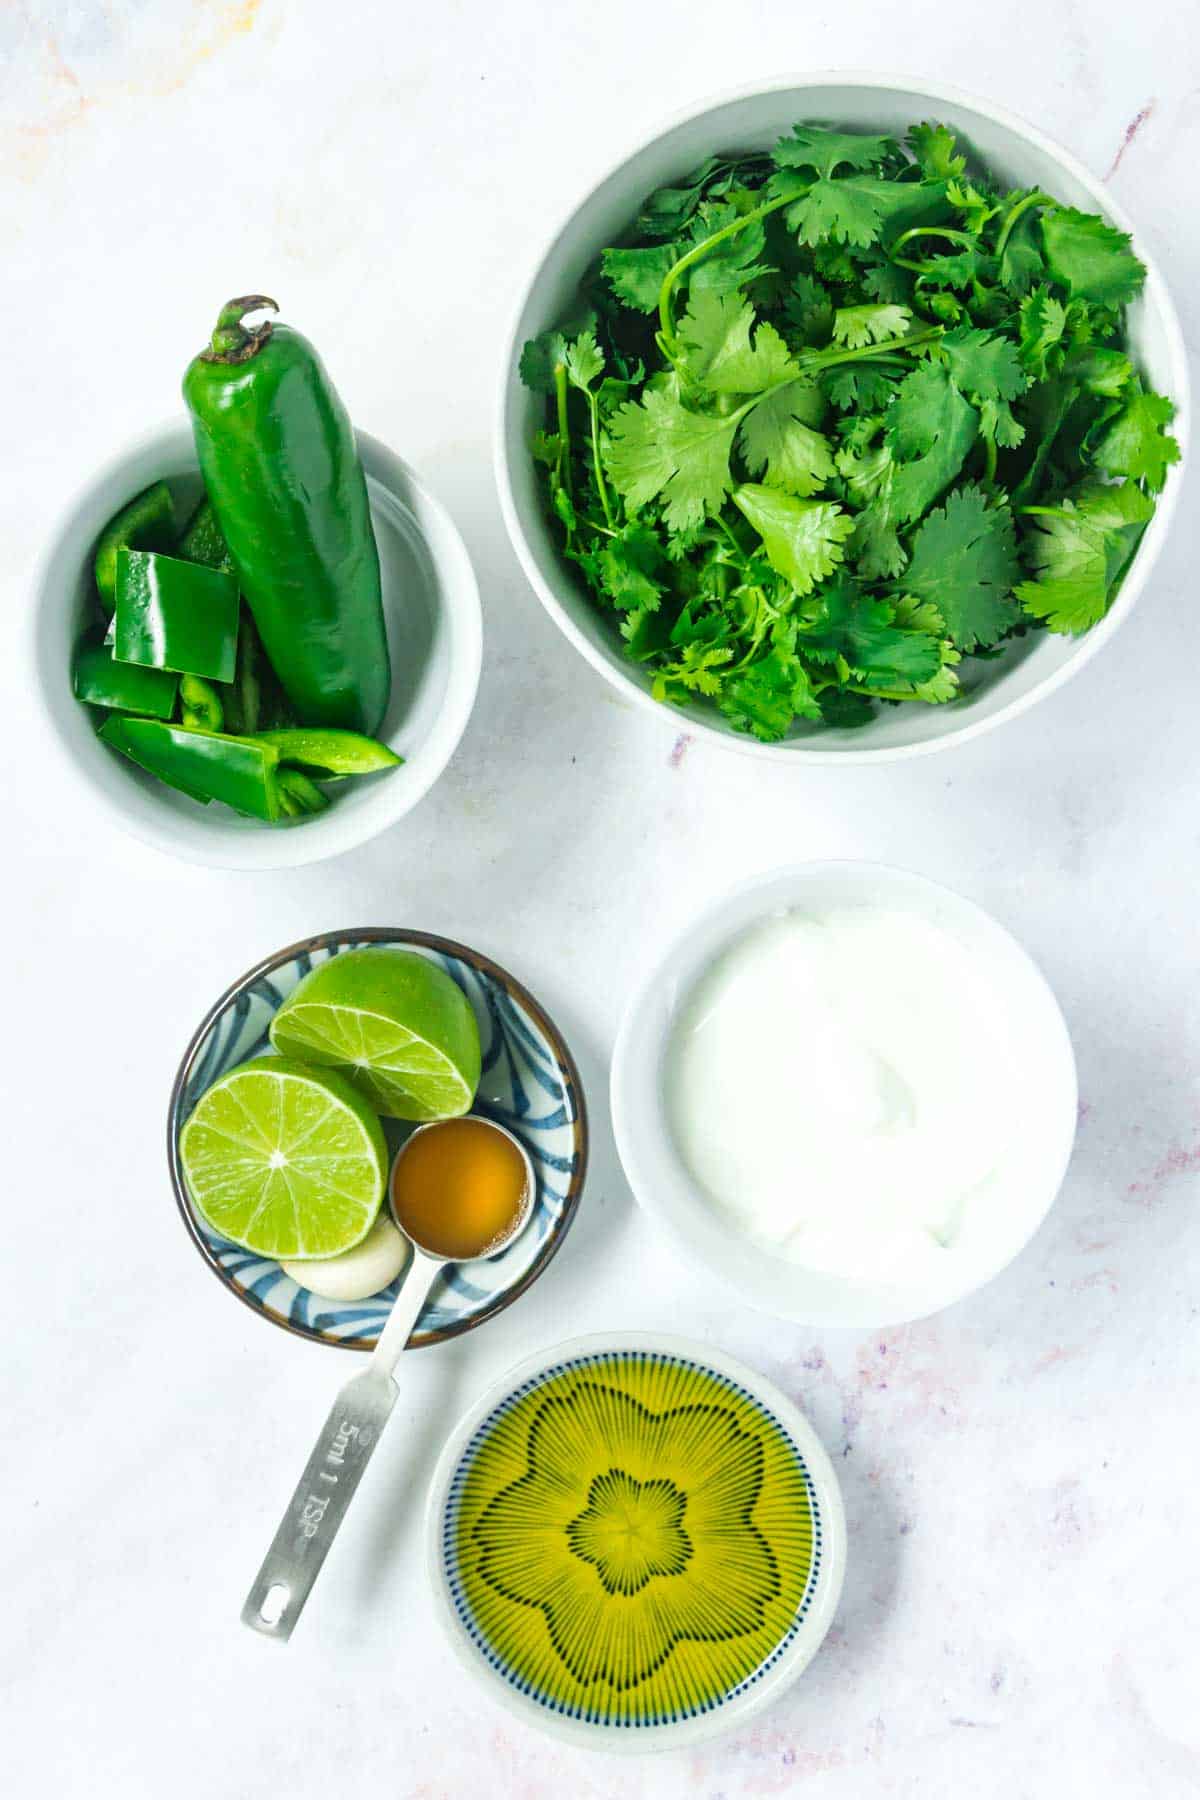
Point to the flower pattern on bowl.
(631, 1538)
(529, 1084)
(632, 1530)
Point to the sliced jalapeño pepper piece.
(147, 523)
(203, 540)
(324, 753)
(176, 615)
(100, 680)
(208, 765)
(200, 705)
(298, 795)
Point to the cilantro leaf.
(636, 275)
(845, 709)
(869, 485)
(859, 630)
(952, 269)
(944, 685)
(857, 210)
(658, 447)
(999, 425)
(976, 208)
(698, 669)
(814, 147)
(584, 360)
(804, 539)
(1079, 551)
(539, 359)
(629, 569)
(858, 388)
(1137, 441)
(808, 309)
(541, 354)
(934, 146)
(985, 365)
(933, 425)
(771, 693)
(1090, 258)
(1043, 322)
(736, 260)
(885, 280)
(847, 212)
(1100, 371)
(922, 615)
(878, 553)
(668, 209)
(964, 560)
(778, 436)
(1021, 262)
(858, 326)
(715, 332)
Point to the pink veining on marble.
(1179, 1160)
(1131, 130)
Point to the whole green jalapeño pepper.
(281, 468)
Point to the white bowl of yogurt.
(848, 1093)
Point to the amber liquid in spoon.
(458, 1188)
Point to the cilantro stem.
(564, 426)
(669, 341)
(849, 687)
(601, 486)
(989, 466)
(1036, 198)
(942, 231)
(827, 359)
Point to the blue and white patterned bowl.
(529, 1084)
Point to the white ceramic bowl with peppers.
(431, 606)
(1016, 153)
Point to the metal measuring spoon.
(353, 1428)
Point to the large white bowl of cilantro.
(841, 420)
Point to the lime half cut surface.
(288, 1161)
(394, 1024)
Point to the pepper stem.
(231, 341)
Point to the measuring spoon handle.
(422, 1272)
(334, 1470)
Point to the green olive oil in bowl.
(636, 1542)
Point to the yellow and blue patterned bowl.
(529, 1084)
(636, 1542)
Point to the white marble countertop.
(1020, 1474)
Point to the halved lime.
(394, 1024)
(285, 1160)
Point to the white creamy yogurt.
(840, 1085)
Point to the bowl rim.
(327, 834)
(517, 992)
(826, 1596)
(800, 752)
(713, 915)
